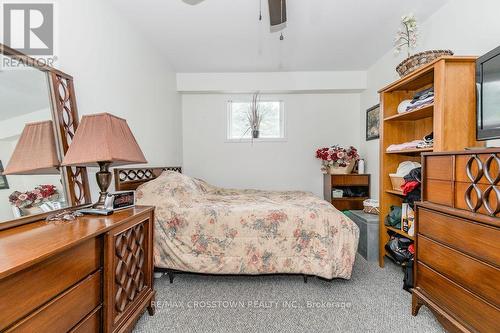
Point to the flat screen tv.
(488, 95)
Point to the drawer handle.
(468, 169)
(486, 199)
(487, 167)
(468, 197)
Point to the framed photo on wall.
(4, 185)
(373, 123)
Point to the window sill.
(260, 140)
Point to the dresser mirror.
(38, 118)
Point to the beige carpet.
(372, 301)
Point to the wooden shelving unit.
(417, 114)
(351, 181)
(400, 232)
(415, 151)
(451, 118)
(400, 193)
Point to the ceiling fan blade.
(277, 12)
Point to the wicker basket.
(396, 182)
(415, 61)
(370, 206)
(335, 170)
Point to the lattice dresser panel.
(483, 191)
(129, 272)
(467, 181)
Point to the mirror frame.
(65, 118)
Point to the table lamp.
(101, 140)
(35, 152)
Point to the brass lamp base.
(103, 178)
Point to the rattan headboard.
(131, 178)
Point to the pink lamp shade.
(35, 152)
(103, 138)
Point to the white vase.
(16, 212)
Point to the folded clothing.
(407, 145)
(425, 145)
(428, 141)
(421, 99)
(414, 175)
(424, 93)
(409, 186)
(420, 104)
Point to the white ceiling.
(226, 35)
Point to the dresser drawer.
(90, 324)
(67, 310)
(470, 273)
(27, 290)
(475, 239)
(439, 192)
(472, 310)
(350, 180)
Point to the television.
(488, 95)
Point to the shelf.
(451, 117)
(424, 75)
(400, 232)
(417, 114)
(398, 193)
(410, 151)
(350, 199)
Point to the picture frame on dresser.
(373, 123)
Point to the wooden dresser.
(94, 274)
(457, 270)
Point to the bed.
(200, 228)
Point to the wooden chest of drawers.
(94, 274)
(457, 264)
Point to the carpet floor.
(372, 301)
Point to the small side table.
(354, 181)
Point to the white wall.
(464, 26)
(312, 120)
(275, 82)
(116, 70)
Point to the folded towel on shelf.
(421, 99)
(420, 103)
(422, 94)
(406, 145)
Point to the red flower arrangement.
(34, 198)
(337, 156)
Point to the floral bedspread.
(204, 229)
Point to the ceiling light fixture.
(277, 15)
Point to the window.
(271, 128)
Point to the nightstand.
(356, 189)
